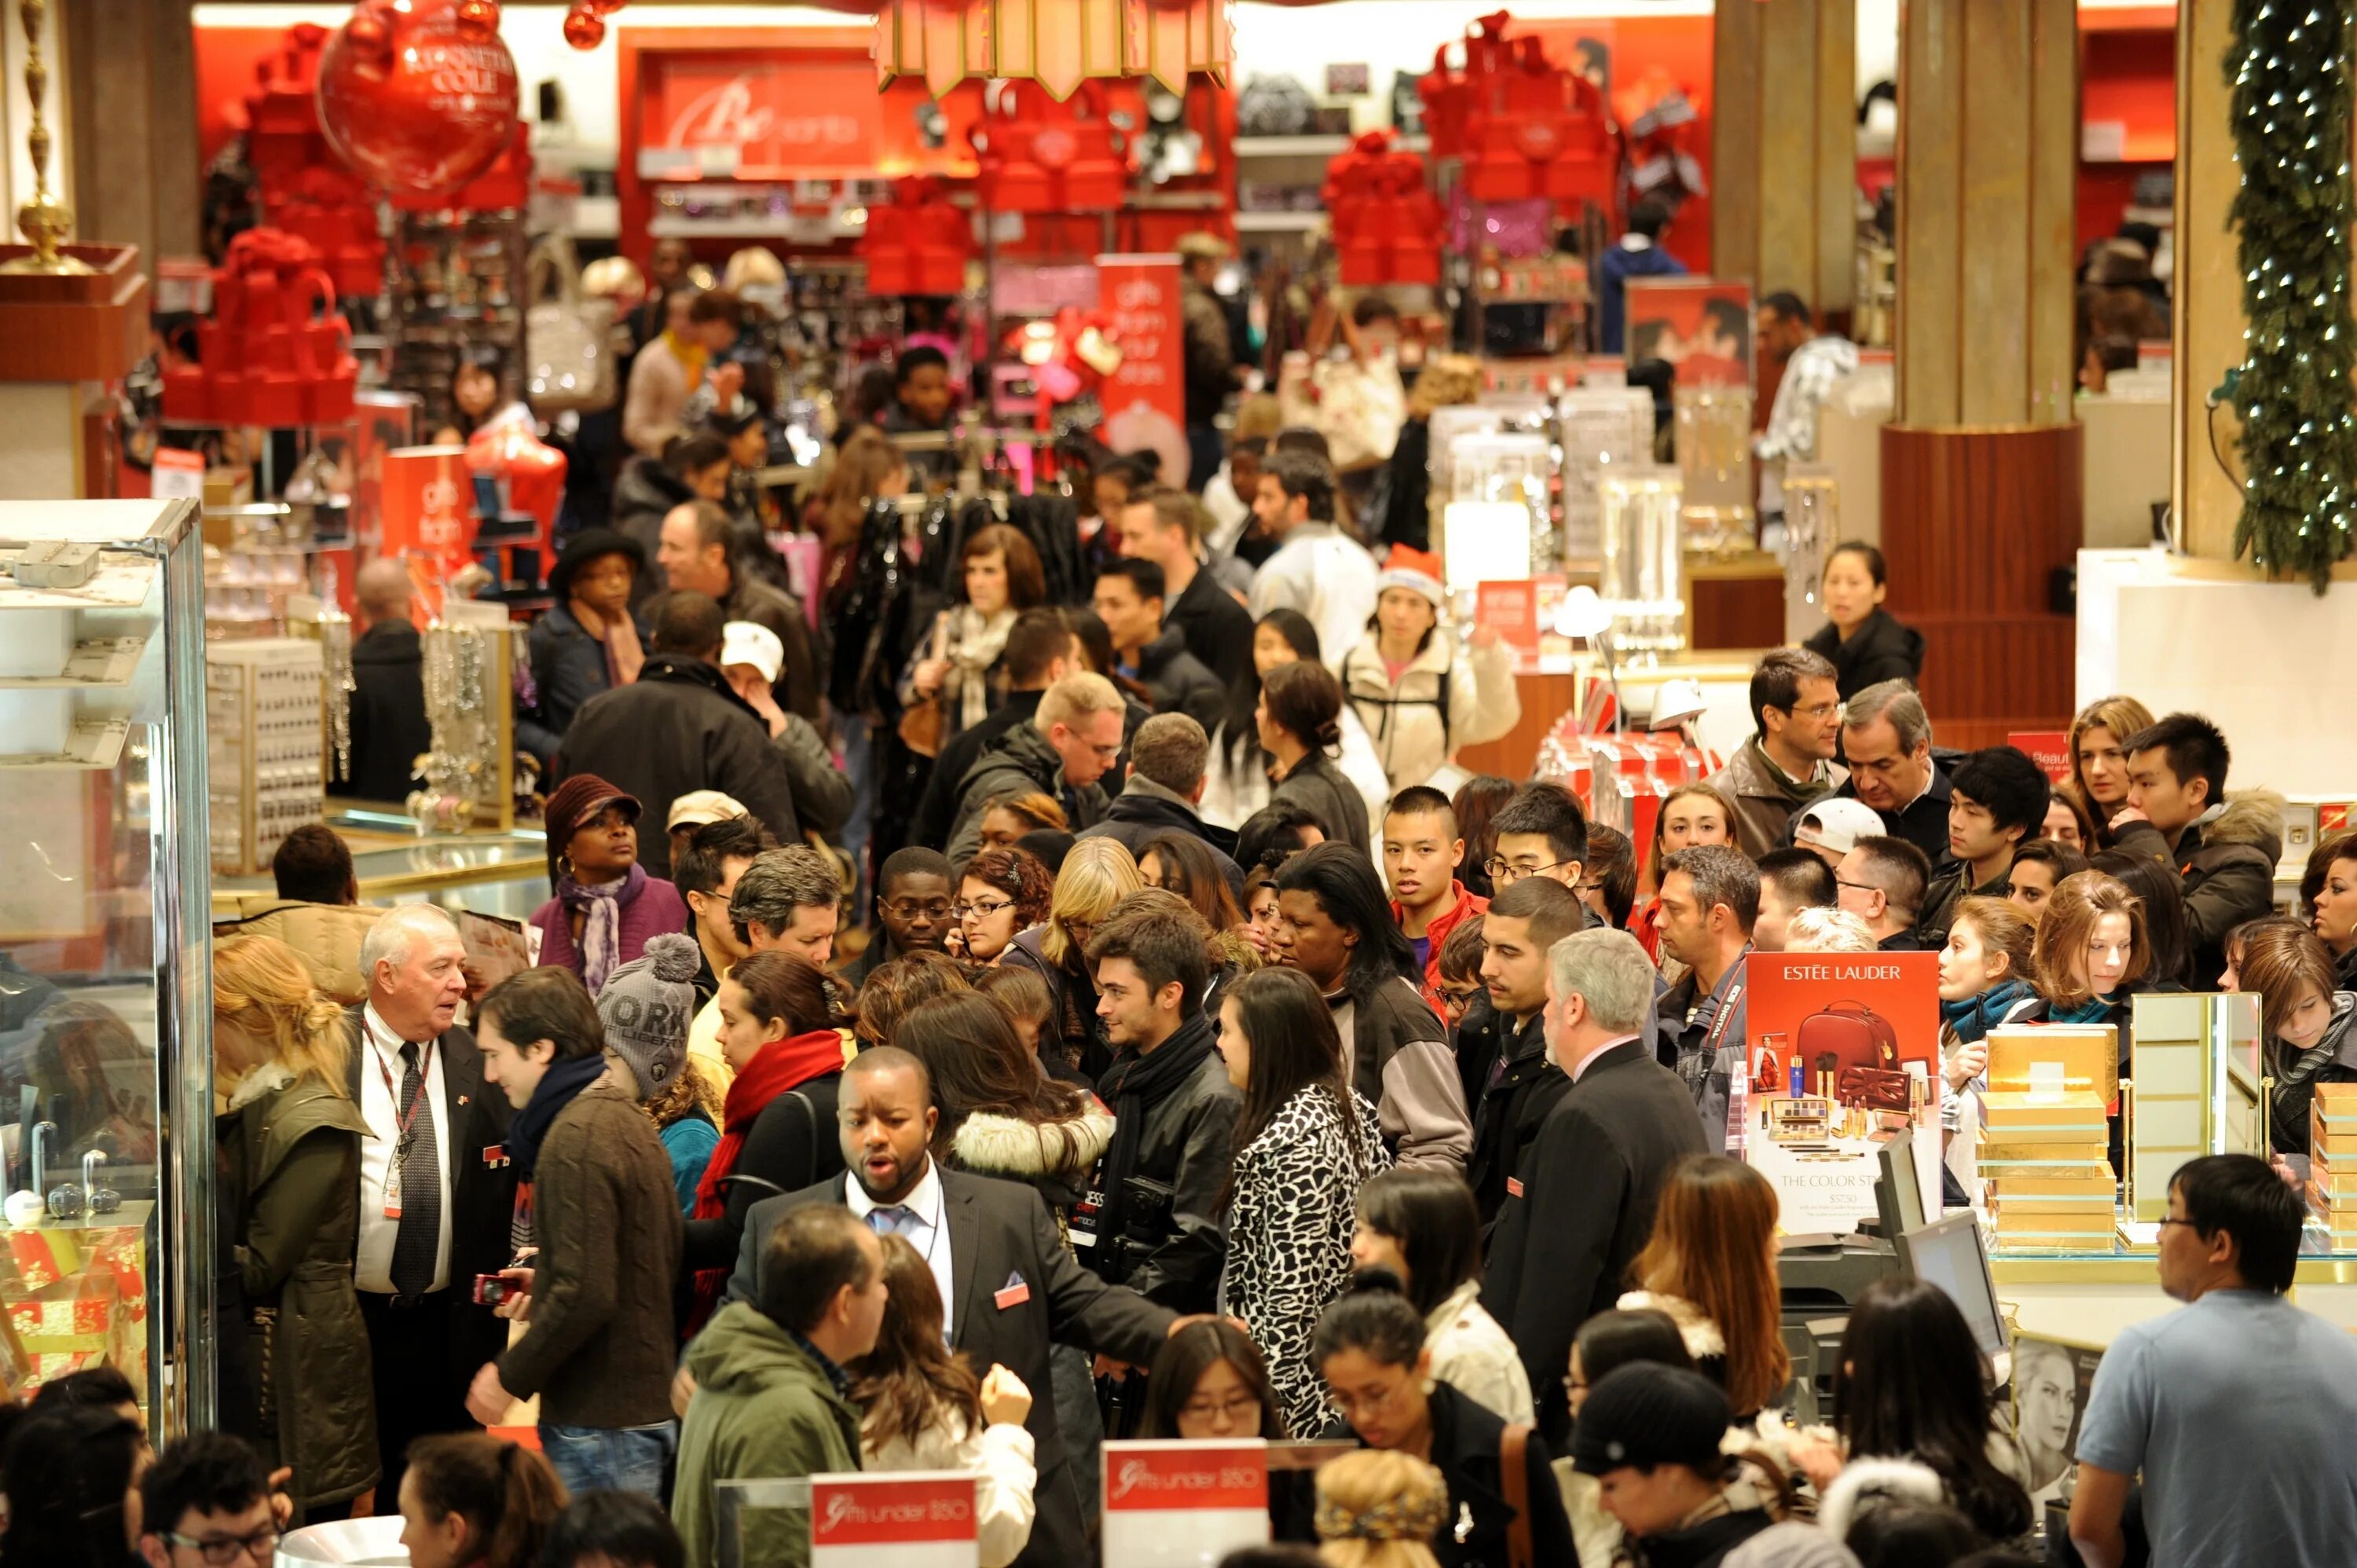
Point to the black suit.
(1561, 1251)
(999, 1230)
(425, 1354)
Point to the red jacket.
(1467, 904)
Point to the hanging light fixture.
(1056, 43)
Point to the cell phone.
(492, 1291)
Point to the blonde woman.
(289, 1142)
(1097, 875)
(1377, 1509)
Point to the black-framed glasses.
(227, 1552)
(1505, 874)
(1861, 886)
(1461, 995)
(909, 908)
(981, 909)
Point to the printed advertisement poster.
(2049, 749)
(2051, 1383)
(1145, 397)
(1844, 1057)
(1702, 328)
(914, 1519)
(429, 516)
(1180, 1505)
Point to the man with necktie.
(1009, 1286)
(437, 1194)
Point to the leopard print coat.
(1290, 1224)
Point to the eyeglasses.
(981, 909)
(1347, 1405)
(1460, 995)
(1861, 886)
(228, 1551)
(2167, 1221)
(1241, 1409)
(1505, 874)
(909, 908)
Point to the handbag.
(567, 336)
(1358, 405)
(1514, 1480)
(922, 722)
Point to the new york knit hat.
(1644, 1415)
(646, 1007)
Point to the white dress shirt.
(923, 1230)
(380, 1055)
(1582, 1065)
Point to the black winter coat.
(1883, 649)
(1178, 681)
(1218, 629)
(1466, 1443)
(1020, 761)
(678, 728)
(389, 725)
(1510, 1104)
(1189, 1147)
(1142, 812)
(643, 497)
(568, 668)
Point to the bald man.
(388, 727)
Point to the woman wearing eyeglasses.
(1003, 891)
(1370, 1348)
(1097, 875)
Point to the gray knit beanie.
(646, 1007)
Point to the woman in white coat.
(1417, 692)
(923, 1409)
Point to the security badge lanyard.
(403, 1131)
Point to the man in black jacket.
(1071, 742)
(1997, 803)
(1128, 599)
(1561, 1251)
(698, 555)
(1009, 1284)
(1039, 652)
(679, 728)
(2177, 813)
(1886, 741)
(1165, 526)
(1519, 1086)
(1151, 1220)
(434, 1204)
(1167, 764)
(390, 729)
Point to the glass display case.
(105, 1004)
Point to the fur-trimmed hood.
(991, 1144)
(2250, 817)
(1702, 1336)
(1865, 1484)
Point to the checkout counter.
(502, 873)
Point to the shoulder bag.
(1514, 1480)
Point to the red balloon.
(584, 30)
(427, 114)
(480, 18)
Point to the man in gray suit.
(1009, 1286)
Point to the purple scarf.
(601, 908)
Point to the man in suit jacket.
(1583, 1203)
(437, 1198)
(1009, 1284)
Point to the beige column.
(2206, 322)
(1784, 147)
(130, 81)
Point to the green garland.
(2289, 68)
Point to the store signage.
(1144, 397)
(1178, 1505)
(720, 115)
(916, 1519)
(2049, 749)
(1701, 326)
(428, 515)
(176, 474)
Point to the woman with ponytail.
(472, 1500)
(289, 1139)
(1300, 720)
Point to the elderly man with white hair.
(1582, 1204)
(436, 1192)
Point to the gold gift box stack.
(2332, 1162)
(2044, 1133)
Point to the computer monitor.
(1897, 1196)
(1949, 1254)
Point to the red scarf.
(776, 1068)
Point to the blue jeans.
(626, 1459)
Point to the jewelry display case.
(105, 983)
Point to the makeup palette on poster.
(1845, 1058)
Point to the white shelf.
(1277, 222)
(1312, 146)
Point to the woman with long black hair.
(1236, 784)
(1304, 1143)
(1334, 925)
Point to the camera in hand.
(492, 1291)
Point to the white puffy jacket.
(1448, 697)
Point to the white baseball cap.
(1837, 824)
(747, 642)
(698, 807)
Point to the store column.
(1980, 505)
(1784, 148)
(130, 80)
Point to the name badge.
(1015, 1292)
(1513, 1187)
(495, 1157)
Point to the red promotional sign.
(887, 1509)
(1700, 325)
(1146, 1476)
(428, 515)
(1145, 398)
(2049, 749)
(1513, 607)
